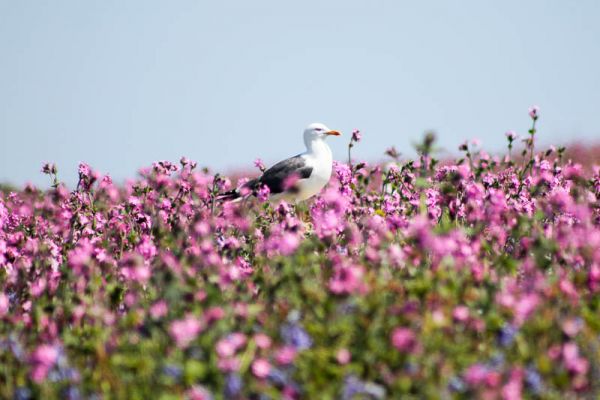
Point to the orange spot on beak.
(333, 133)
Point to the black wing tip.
(231, 195)
(247, 189)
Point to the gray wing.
(275, 176)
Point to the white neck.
(317, 146)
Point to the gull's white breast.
(321, 162)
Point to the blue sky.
(120, 84)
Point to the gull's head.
(317, 131)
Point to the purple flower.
(506, 335)
(278, 377)
(72, 393)
(233, 385)
(456, 384)
(533, 380)
(356, 135)
(354, 387)
(22, 393)
(294, 335)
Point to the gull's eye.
(318, 129)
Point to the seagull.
(296, 178)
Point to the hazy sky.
(120, 84)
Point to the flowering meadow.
(477, 278)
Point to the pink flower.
(213, 314)
(37, 287)
(229, 364)
(198, 393)
(263, 193)
(476, 374)
(184, 161)
(288, 243)
(356, 135)
(403, 339)
(461, 313)
(345, 179)
(573, 361)
(286, 355)
(43, 359)
(554, 352)
(262, 341)
(45, 354)
(511, 135)
(567, 287)
(84, 170)
(572, 326)
(3, 218)
(261, 368)
(493, 378)
(258, 163)
(513, 389)
(225, 348)
(346, 279)
(185, 330)
(524, 307)
(147, 248)
(159, 309)
(134, 202)
(134, 268)
(238, 339)
(534, 112)
(343, 356)
(4, 304)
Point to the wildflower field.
(477, 278)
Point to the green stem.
(349, 155)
